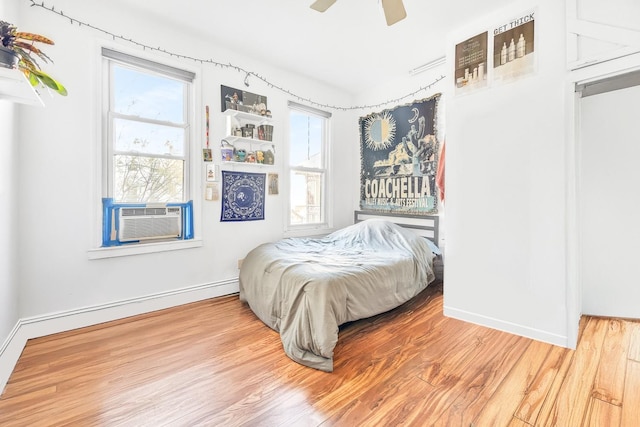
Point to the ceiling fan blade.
(393, 11)
(322, 5)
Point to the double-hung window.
(147, 113)
(308, 166)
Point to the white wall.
(506, 215)
(505, 184)
(8, 214)
(57, 204)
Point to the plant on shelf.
(20, 46)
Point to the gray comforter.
(305, 288)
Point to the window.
(308, 164)
(147, 121)
(148, 115)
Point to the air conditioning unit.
(147, 223)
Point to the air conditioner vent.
(148, 211)
(149, 223)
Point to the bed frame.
(423, 225)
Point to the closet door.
(609, 202)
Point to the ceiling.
(349, 46)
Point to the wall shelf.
(15, 87)
(252, 146)
(249, 117)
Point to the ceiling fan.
(393, 9)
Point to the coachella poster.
(399, 158)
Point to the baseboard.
(38, 326)
(512, 328)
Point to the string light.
(235, 67)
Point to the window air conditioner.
(147, 223)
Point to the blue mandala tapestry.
(242, 196)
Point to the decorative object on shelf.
(247, 130)
(23, 47)
(265, 132)
(269, 157)
(227, 150)
(240, 155)
(251, 157)
(8, 58)
(242, 196)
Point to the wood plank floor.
(213, 363)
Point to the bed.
(305, 288)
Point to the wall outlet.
(240, 263)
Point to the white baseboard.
(38, 326)
(512, 328)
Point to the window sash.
(321, 171)
(113, 58)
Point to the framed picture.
(273, 183)
(241, 100)
(231, 98)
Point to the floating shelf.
(15, 87)
(254, 118)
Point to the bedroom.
(49, 284)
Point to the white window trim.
(293, 230)
(96, 251)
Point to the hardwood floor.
(214, 363)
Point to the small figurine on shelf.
(260, 156)
(269, 157)
(241, 154)
(226, 150)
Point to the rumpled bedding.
(306, 288)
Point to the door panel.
(609, 203)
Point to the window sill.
(143, 248)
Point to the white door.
(609, 203)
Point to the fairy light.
(237, 68)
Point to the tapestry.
(242, 196)
(399, 159)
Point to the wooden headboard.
(424, 225)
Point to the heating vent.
(146, 223)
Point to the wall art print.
(514, 48)
(471, 64)
(242, 196)
(399, 159)
(241, 100)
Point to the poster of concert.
(399, 158)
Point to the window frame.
(102, 156)
(324, 170)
